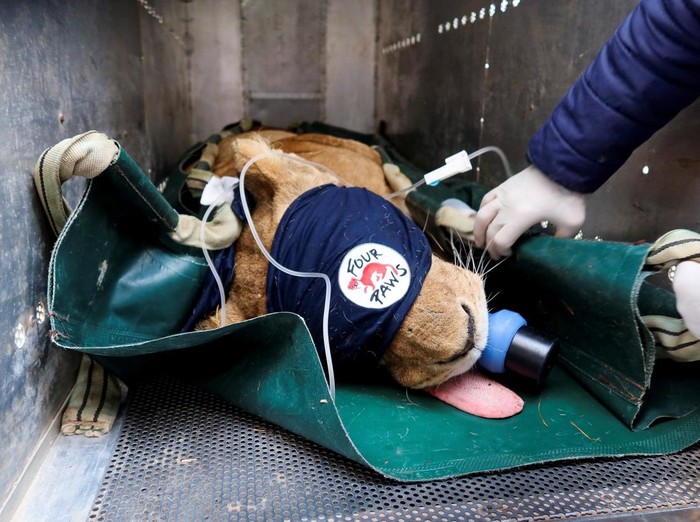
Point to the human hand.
(522, 201)
(686, 285)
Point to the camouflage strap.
(673, 339)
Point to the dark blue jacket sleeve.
(642, 77)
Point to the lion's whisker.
(492, 295)
(494, 266)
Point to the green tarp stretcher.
(118, 288)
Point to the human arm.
(643, 76)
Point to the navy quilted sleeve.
(642, 77)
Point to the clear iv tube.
(405, 190)
(473, 155)
(202, 239)
(497, 150)
(202, 234)
(271, 260)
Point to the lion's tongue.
(476, 394)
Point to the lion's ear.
(266, 171)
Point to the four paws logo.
(374, 276)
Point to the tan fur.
(445, 330)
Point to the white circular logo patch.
(374, 276)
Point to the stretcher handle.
(94, 154)
(90, 155)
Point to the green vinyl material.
(120, 290)
(588, 294)
(115, 277)
(269, 366)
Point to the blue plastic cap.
(503, 325)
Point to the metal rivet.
(645, 169)
(671, 273)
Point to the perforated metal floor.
(184, 455)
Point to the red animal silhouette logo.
(371, 274)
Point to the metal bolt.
(20, 335)
(40, 313)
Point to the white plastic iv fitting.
(453, 165)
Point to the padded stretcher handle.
(94, 154)
(89, 155)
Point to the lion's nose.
(469, 345)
